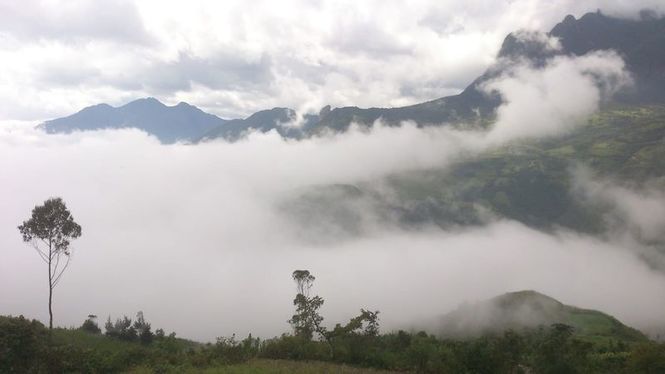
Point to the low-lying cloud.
(197, 237)
(557, 98)
(634, 214)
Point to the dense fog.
(197, 238)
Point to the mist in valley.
(203, 238)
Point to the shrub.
(21, 342)
(90, 325)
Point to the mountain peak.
(146, 101)
(147, 114)
(532, 299)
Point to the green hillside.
(531, 181)
(529, 310)
(527, 181)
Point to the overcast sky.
(233, 58)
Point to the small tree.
(90, 325)
(143, 329)
(49, 230)
(122, 329)
(307, 320)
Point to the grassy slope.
(530, 310)
(530, 181)
(598, 327)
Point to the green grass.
(599, 328)
(105, 346)
(82, 339)
(257, 366)
(79, 338)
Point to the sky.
(233, 58)
(197, 237)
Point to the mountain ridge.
(169, 123)
(640, 42)
(577, 37)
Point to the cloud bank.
(195, 237)
(191, 236)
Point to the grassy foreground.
(274, 367)
(104, 345)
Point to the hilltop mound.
(526, 310)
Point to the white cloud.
(638, 210)
(59, 56)
(557, 98)
(73, 21)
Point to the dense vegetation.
(131, 345)
(24, 347)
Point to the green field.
(261, 366)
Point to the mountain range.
(168, 123)
(640, 42)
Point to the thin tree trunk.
(331, 349)
(50, 290)
(50, 310)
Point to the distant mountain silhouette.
(182, 122)
(640, 42)
(279, 119)
(168, 123)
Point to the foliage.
(90, 325)
(21, 340)
(124, 329)
(24, 348)
(307, 320)
(50, 230)
(142, 328)
(647, 358)
(53, 224)
(130, 346)
(557, 352)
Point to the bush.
(647, 358)
(290, 347)
(22, 341)
(90, 325)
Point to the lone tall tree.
(49, 230)
(307, 319)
